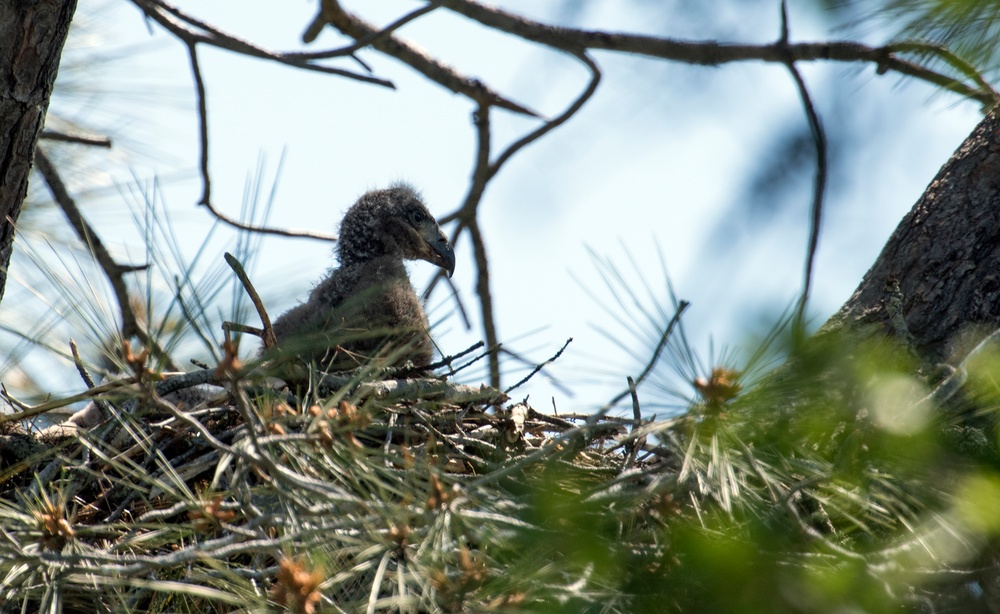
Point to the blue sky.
(660, 161)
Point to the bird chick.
(368, 304)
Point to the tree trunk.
(936, 283)
(32, 33)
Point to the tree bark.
(936, 283)
(32, 34)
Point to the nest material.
(229, 496)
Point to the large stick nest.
(344, 491)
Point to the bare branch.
(819, 186)
(29, 412)
(199, 86)
(638, 442)
(664, 338)
(81, 368)
(540, 366)
(713, 53)
(331, 12)
(80, 139)
(206, 178)
(268, 334)
(576, 105)
(313, 30)
(447, 360)
(281, 232)
(179, 24)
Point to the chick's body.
(368, 302)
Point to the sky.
(663, 165)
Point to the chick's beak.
(440, 251)
(445, 254)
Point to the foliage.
(970, 28)
(852, 477)
(837, 481)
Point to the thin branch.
(484, 171)
(199, 86)
(664, 338)
(179, 24)
(489, 352)
(485, 299)
(540, 366)
(480, 177)
(203, 164)
(270, 340)
(79, 139)
(819, 186)
(101, 404)
(712, 53)
(446, 361)
(576, 105)
(530, 363)
(31, 411)
(639, 442)
(331, 12)
(468, 209)
(281, 232)
(314, 28)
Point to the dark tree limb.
(938, 277)
(32, 35)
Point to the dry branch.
(712, 53)
(331, 12)
(268, 331)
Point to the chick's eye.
(416, 217)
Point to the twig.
(530, 363)
(101, 404)
(681, 307)
(539, 367)
(819, 186)
(485, 170)
(191, 40)
(331, 12)
(489, 352)
(712, 53)
(318, 23)
(447, 360)
(80, 139)
(179, 24)
(243, 328)
(486, 299)
(199, 90)
(270, 341)
(29, 412)
(281, 232)
(639, 442)
(576, 105)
